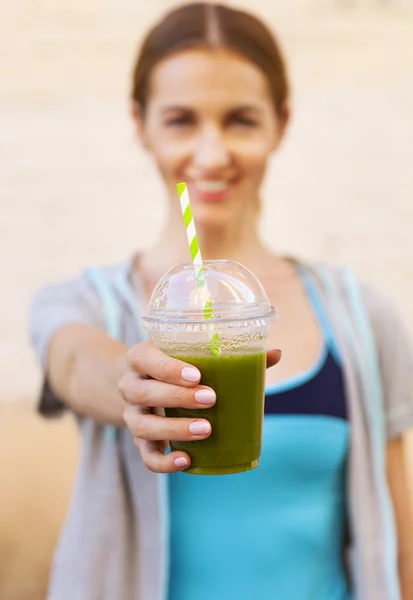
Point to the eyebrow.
(175, 108)
(248, 108)
(240, 108)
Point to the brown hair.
(212, 26)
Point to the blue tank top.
(277, 531)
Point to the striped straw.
(190, 226)
(196, 256)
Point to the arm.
(397, 477)
(83, 366)
(89, 371)
(395, 354)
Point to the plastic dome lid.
(230, 293)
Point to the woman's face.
(210, 122)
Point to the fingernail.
(190, 374)
(180, 462)
(199, 427)
(205, 396)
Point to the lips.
(211, 186)
(211, 190)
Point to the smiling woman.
(218, 107)
(210, 104)
(216, 137)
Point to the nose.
(211, 152)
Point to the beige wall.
(73, 181)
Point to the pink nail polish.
(205, 396)
(199, 427)
(190, 374)
(180, 462)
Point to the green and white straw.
(196, 257)
(190, 227)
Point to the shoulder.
(71, 300)
(395, 359)
(377, 304)
(381, 310)
(82, 284)
(391, 338)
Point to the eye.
(243, 121)
(179, 121)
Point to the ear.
(285, 117)
(137, 117)
(283, 121)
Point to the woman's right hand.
(154, 381)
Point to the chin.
(213, 216)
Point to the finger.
(273, 357)
(149, 392)
(147, 360)
(148, 426)
(155, 460)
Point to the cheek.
(253, 158)
(255, 150)
(169, 155)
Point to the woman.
(318, 519)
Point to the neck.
(234, 243)
(239, 241)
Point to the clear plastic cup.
(220, 326)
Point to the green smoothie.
(234, 445)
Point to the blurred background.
(74, 190)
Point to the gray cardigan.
(115, 541)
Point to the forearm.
(406, 576)
(400, 490)
(84, 366)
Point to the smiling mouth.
(210, 186)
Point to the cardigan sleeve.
(395, 357)
(56, 305)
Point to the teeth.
(211, 186)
